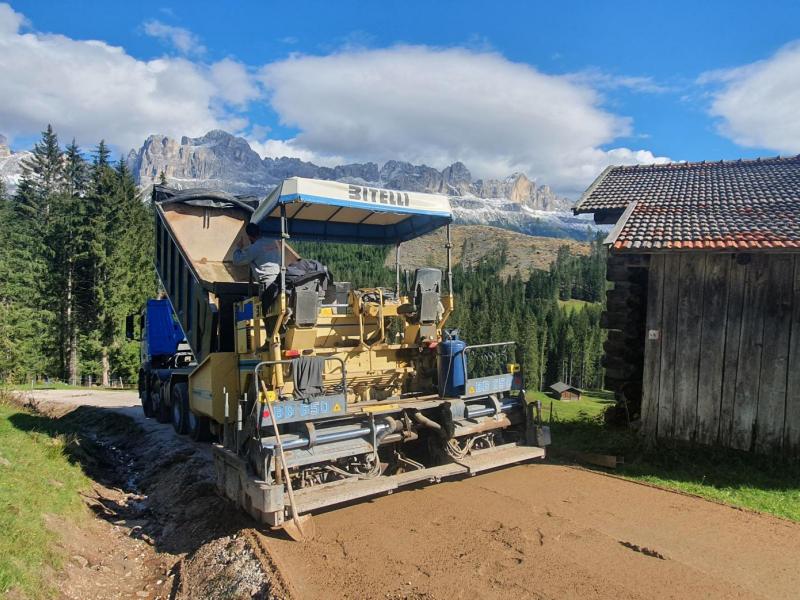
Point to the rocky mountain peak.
(215, 135)
(457, 179)
(11, 164)
(5, 151)
(521, 188)
(221, 160)
(211, 160)
(401, 175)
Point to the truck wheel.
(144, 396)
(160, 408)
(180, 408)
(199, 427)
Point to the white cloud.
(758, 103)
(183, 40)
(10, 21)
(234, 82)
(280, 148)
(414, 103)
(608, 81)
(436, 106)
(91, 90)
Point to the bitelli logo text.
(366, 194)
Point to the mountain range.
(11, 164)
(221, 160)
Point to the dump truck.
(318, 393)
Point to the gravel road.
(530, 531)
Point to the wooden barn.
(704, 316)
(564, 391)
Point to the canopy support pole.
(276, 340)
(449, 246)
(284, 235)
(397, 270)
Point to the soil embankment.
(530, 531)
(162, 530)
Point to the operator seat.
(427, 294)
(307, 282)
(426, 307)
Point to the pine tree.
(45, 170)
(75, 171)
(31, 299)
(130, 268)
(95, 287)
(68, 228)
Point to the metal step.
(339, 492)
(491, 458)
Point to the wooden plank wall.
(722, 350)
(624, 319)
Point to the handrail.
(489, 345)
(266, 363)
(474, 346)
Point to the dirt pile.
(164, 533)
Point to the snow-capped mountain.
(500, 212)
(220, 160)
(11, 164)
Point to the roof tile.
(742, 204)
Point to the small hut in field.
(565, 392)
(704, 316)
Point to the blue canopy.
(342, 212)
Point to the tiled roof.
(731, 205)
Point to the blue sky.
(558, 90)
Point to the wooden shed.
(566, 392)
(704, 316)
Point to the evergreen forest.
(554, 315)
(76, 258)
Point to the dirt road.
(530, 531)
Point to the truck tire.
(180, 408)
(144, 396)
(160, 408)
(199, 427)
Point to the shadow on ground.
(761, 482)
(157, 484)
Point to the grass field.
(60, 385)
(36, 479)
(40, 385)
(572, 304)
(765, 484)
(590, 405)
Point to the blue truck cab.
(161, 333)
(166, 358)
